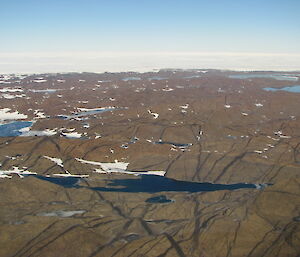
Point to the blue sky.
(164, 25)
(238, 26)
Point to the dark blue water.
(292, 89)
(12, 129)
(172, 143)
(158, 199)
(155, 184)
(149, 184)
(61, 181)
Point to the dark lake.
(173, 144)
(158, 199)
(155, 184)
(61, 181)
(150, 184)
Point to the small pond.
(288, 77)
(86, 113)
(292, 89)
(12, 129)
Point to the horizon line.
(152, 70)
(139, 53)
(107, 61)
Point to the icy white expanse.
(44, 62)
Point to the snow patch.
(61, 214)
(26, 132)
(9, 96)
(57, 161)
(167, 89)
(15, 170)
(118, 167)
(5, 114)
(10, 90)
(72, 135)
(259, 105)
(155, 115)
(68, 175)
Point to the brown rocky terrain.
(196, 125)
